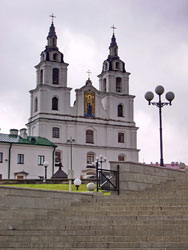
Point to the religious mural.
(89, 103)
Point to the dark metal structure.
(159, 90)
(107, 179)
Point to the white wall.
(30, 160)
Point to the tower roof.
(113, 41)
(52, 33)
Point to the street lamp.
(100, 159)
(70, 172)
(159, 90)
(45, 164)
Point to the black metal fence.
(107, 179)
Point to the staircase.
(155, 219)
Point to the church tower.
(51, 95)
(114, 78)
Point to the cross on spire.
(89, 73)
(52, 16)
(113, 27)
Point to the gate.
(107, 179)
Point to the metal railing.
(107, 179)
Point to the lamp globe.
(149, 96)
(170, 96)
(159, 90)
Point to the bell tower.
(52, 70)
(114, 78)
(51, 95)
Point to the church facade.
(100, 122)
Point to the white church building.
(100, 122)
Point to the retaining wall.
(137, 176)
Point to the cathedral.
(100, 122)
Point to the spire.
(113, 45)
(52, 32)
(52, 37)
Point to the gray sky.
(153, 42)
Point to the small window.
(36, 105)
(41, 159)
(121, 137)
(120, 110)
(41, 76)
(55, 76)
(55, 132)
(121, 157)
(118, 85)
(54, 103)
(117, 65)
(1, 157)
(54, 41)
(106, 66)
(20, 159)
(57, 156)
(89, 136)
(104, 85)
(55, 57)
(90, 158)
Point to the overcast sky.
(153, 42)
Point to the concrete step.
(177, 231)
(99, 245)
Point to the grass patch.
(57, 187)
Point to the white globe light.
(105, 158)
(45, 164)
(77, 182)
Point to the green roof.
(30, 140)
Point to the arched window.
(117, 65)
(54, 103)
(41, 76)
(55, 132)
(121, 137)
(55, 56)
(104, 85)
(120, 110)
(89, 136)
(36, 104)
(118, 85)
(121, 157)
(55, 76)
(90, 158)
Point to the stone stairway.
(155, 219)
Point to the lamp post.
(70, 172)
(99, 160)
(45, 164)
(159, 90)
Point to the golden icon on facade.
(89, 103)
